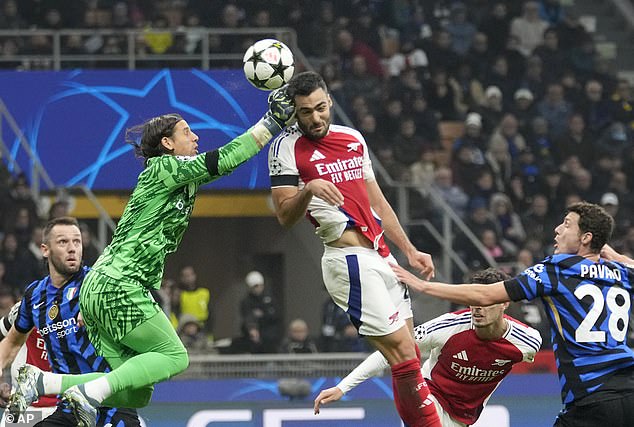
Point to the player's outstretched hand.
(5, 394)
(281, 113)
(422, 262)
(326, 396)
(326, 191)
(409, 279)
(281, 106)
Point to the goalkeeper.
(124, 323)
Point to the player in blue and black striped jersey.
(588, 300)
(51, 306)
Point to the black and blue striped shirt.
(588, 305)
(53, 312)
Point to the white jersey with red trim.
(462, 370)
(340, 157)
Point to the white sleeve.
(372, 366)
(282, 164)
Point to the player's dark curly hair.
(488, 276)
(593, 219)
(303, 84)
(146, 137)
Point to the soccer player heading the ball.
(324, 171)
(124, 323)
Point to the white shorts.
(361, 282)
(445, 418)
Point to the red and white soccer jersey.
(340, 157)
(463, 370)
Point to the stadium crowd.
(539, 118)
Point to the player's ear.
(167, 143)
(329, 101)
(586, 238)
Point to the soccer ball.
(268, 64)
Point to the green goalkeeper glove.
(281, 111)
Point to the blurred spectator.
(350, 341)
(191, 334)
(509, 222)
(622, 219)
(158, 38)
(492, 110)
(522, 109)
(439, 52)
(7, 301)
(479, 56)
(596, 110)
(453, 195)
(260, 314)
(555, 109)
(359, 80)
(527, 168)
(497, 26)
(529, 28)
(551, 186)
(444, 95)
(195, 300)
(21, 267)
(508, 132)
(576, 141)
(19, 197)
(4, 284)
(460, 29)
(347, 48)
(538, 220)
(298, 339)
(467, 153)
(499, 162)
(623, 104)
(619, 186)
(514, 57)
(498, 76)
(540, 141)
(550, 54)
(614, 141)
(58, 209)
(583, 57)
(333, 322)
(570, 30)
(90, 250)
(426, 119)
(408, 145)
(470, 87)
(10, 18)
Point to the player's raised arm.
(608, 253)
(420, 261)
(465, 294)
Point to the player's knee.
(180, 361)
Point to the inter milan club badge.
(53, 312)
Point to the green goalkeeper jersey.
(159, 209)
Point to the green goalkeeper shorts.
(111, 310)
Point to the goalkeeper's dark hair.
(61, 220)
(303, 84)
(489, 276)
(146, 137)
